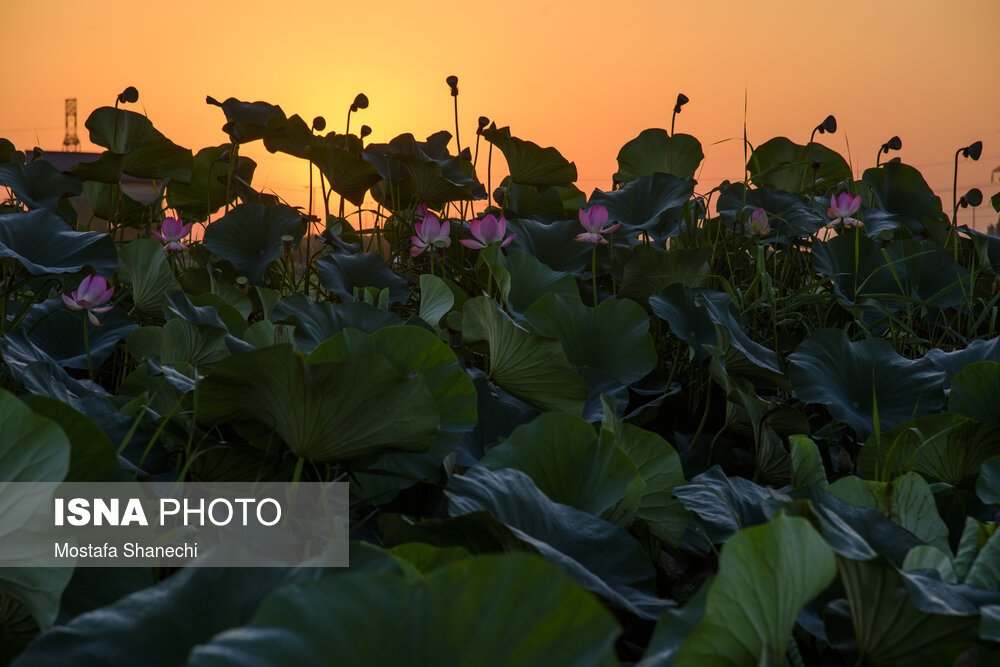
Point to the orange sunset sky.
(580, 75)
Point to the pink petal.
(489, 229)
(70, 303)
(102, 309)
(510, 239)
(855, 205)
(93, 319)
(598, 215)
(158, 236)
(589, 237)
(431, 227)
(471, 243)
(612, 228)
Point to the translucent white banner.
(142, 524)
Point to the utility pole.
(71, 142)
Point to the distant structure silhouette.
(71, 142)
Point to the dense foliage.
(757, 424)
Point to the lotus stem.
(593, 272)
(86, 347)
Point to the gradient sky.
(580, 75)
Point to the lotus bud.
(682, 99)
(759, 224)
(452, 82)
(483, 122)
(894, 144)
(828, 126)
(365, 131)
(319, 124)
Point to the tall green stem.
(593, 272)
(86, 345)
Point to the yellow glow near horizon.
(583, 76)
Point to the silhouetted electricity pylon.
(71, 142)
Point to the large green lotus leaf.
(952, 363)
(250, 237)
(807, 462)
(179, 342)
(941, 447)
(499, 414)
(899, 189)
(767, 574)
(888, 629)
(92, 456)
(568, 463)
(32, 449)
(338, 157)
(315, 322)
(347, 173)
(206, 193)
(158, 626)
(725, 505)
(43, 243)
(530, 367)
(984, 569)
(326, 411)
(654, 151)
(535, 616)
(907, 500)
(412, 350)
(420, 171)
(38, 184)
(704, 318)
(849, 378)
(659, 468)
(528, 163)
(652, 203)
(931, 276)
(862, 274)
(523, 280)
(598, 555)
(649, 270)
(342, 274)
(547, 202)
(109, 202)
(672, 630)
(8, 153)
(988, 484)
(975, 392)
(856, 533)
(788, 213)
(612, 339)
(680, 309)
(58, 332)
(248, 121)
(781, 164)
(721, 311)
(147, 153)
(436, 299)
(552, 243)
(143, 266)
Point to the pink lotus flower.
(172, 231)
(91, 296)
(842, 207)
(759, 224)
(430, 233)
(487, 231)
(593, 220)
